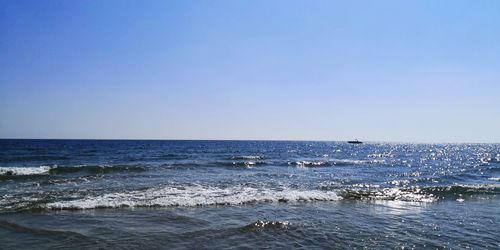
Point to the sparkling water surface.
(247, 194)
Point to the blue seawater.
(134, 194)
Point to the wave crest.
(41, 171)
(246, 164)
(13, 171)
(421, 194)
(331, 163)
(247, 157)
(192, 196)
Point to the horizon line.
(270, 140)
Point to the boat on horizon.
(355, 142)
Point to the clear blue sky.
(424, 71)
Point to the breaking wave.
(247, 157)
(247, 164)
(197, 195)
(331, 163)
(192, 196)
(13, 171)
(54, 170)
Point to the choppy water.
(247, 194)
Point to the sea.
(179, 194)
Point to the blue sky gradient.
(419, 71)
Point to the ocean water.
(118, 194)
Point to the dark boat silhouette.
(355, 142)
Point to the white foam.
(250, 164)
(347, 161)
(366, 185)
(494, 178)
(194, 196)
(25, 170)
(248, 157)
(400, 182)
(333, 162)
(310, 163)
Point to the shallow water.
(214, 194)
